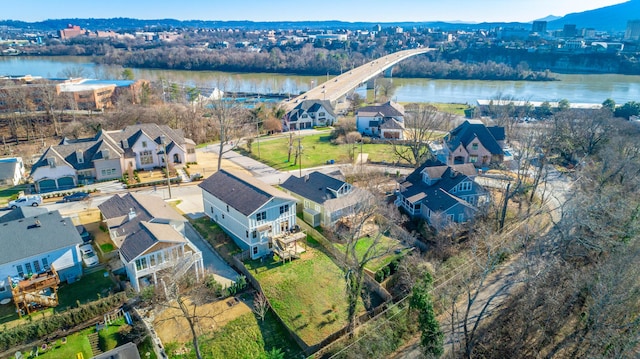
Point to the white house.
(11, 171)
(385, 121)
(150, 237)
(310, 113)
(257, 216)
(109, 154)
(34, 241)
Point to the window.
(247, 232)
(20, 270)
(144, 144)
(307, 204)
(36, 266)
(318, 208)
(450, 218)
(255, 234)
(474, 146)
(320, 114)
(473, 158)
(27, 266)
(227, 208)
(108, 172)
(146, 157)
(152, 260)
(261, 216)
(284, 209)
(141, 263)
(191, 150)
(211, 209)
(45, 263)
(461, 217)
(255, 250)
(223, 216)
(270, 245)
(160, 260)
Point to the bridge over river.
(339, 86)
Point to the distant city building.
(569, 30)
(539, 27)
(633, 30)
(70, 32)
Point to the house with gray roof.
(11, 171)
(258, 217)
(473, 142)
(109, 155)
(310, 113)
(149, 236)
(323, 199)
(33, 242)
(384, 121)
(441, 194)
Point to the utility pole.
(300, 155)
(258, 137)
(166, 162)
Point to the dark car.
(84, 234)
(74, 197)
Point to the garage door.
(47, 185)
(66, 183)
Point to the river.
(576, 88)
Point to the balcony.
(286, 245)
(40, 290)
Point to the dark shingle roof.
(8, 170)
(22, 238)
(314, 187)
(22, 212)
(118, 206)
(138, 240)
(243, 193)
(470, 129)
(311, 107)
(386, 110)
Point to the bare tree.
(260, 305)
(423, 124)
(230, 123)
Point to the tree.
(385, 89)
(184, 290)
(74, 72)
(230, 123)
(356, 102)
(260, 305)
(127, 74)
(609, 104)
(421, 125)
(431, 338)
(627, 110)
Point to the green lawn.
(454, 108)
(106, 247)
(87, 289)
(9, 194)
(245, 337)
(76, 343)
(219, 240)
(308, 293)
(317, 150)
(391, 247)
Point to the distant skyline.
(289, 10)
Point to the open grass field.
(9, 194)
(307, 293)
(390, 247)
(243, 337)
(87, 289)
(316, 151)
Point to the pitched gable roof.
(310, 107)
(242, 192)
(145, 236)
(386, 110)
(315, 186)
(27, 239)
(470, 129)
(22, 212)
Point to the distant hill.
(549, 18)
(609, 18)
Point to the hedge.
(28, 332)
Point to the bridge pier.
(388, 72)
(371, 84)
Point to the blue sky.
(276, 10)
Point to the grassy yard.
(454, 108)
(220, 241)
(87, 289)
(9, 194)
(308, 293)
(245, 337)
(317, 150)
(392, 247)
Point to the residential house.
(441, 194)
(109, 154)
(324, 199)
(310, 113)
(38, 245)
(473, 142)
(384, 121)
(258, 217)
(149, 236)
(11, 171)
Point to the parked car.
(84, 234)
(89, 257)
(77, 196)
(34, 201)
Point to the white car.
(34, 201)
(89, 257)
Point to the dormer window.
(79, 156)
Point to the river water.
(575, 88)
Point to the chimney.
(37, 223)
(306, 177)
(132, 214)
